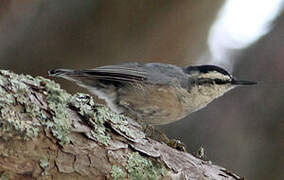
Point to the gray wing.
(152, 73)
(129, 72)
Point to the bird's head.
(212, 80)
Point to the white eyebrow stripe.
(214, 75)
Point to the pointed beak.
(242, 82)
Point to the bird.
(154, 93)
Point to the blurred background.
(242, 131)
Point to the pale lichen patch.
(100, 117)
(57, 101)
(117, 173)
(15, 121)
(44, 164)
(92, 115)
(22, 114)
(4, 176)
(139, 167)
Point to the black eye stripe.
(219, 81)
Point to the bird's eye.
(221, 81)
(204, 81)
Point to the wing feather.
(125, 73)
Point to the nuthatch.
(154, 93)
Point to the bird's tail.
(61, 72)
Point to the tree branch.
(47, 133)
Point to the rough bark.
(46, 133)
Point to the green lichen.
(57, 101)
(21, 117)
(93, 114)
(14, 98)
(117, 173)
(44, 164)
(4, 176)
(97, 116)
(139, 167)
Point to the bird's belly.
(153, 105)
